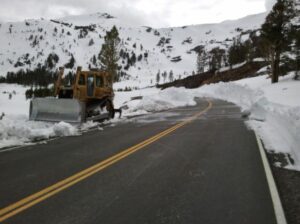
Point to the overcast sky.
(156, 13)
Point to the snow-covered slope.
(25, 44)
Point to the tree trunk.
(270, 55)
(297, 65)
(275, 73)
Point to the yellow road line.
(35, 198)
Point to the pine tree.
(49, 62)
(94, 60)
(158, 77)
(164, 75)
(217, 57)
(171, 76)
(140, 57)
(274, 31)
(109, 54)
(122, 53)
(238, 52)
(133, 58)
(71, 63)
(294, 37)
(201, 59)
(296, 51)
(91, 42)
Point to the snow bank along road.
(195, 164)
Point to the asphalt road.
(207, 170)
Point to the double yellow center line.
(42, 195)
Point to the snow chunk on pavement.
(64, 129)
(88, 125)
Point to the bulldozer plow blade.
(55, 110)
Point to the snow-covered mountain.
(23, 45)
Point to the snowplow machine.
(90, 97)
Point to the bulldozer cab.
(91, 85)
(88, 85)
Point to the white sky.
(156, 13)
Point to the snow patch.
(64, 129)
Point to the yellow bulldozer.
(89, 97)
